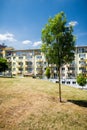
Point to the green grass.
(33, 104)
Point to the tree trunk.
(4, 71)
(59, 87)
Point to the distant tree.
(3, 65)
(47, 72)
(3, 45)
(58, 42)
(81, 80)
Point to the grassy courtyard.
(32, 104)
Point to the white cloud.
(7, 37)
(73, 23)
(26, 42)
(37, 43)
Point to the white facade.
(33, 62)
(81, 60)
(26, 62)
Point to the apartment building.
(5, 51)
(2, 50)
(78, 65)
(32, 62)
(81, 60)
(68, 71)
(26, 62)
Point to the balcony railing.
(39, 66)
(83, 65)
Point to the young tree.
(81, 80)
(58, 42)
(3, 65)
(47, 72)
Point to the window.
(63, 82)
(68, 82)
(14, 63)
(71, 68)
(20, 69)
(20, 57)
(82, 62)
(39, 63)
(82, 55)
(81, 50)
(82, 68)
(45, 63)
(29, 57)
(73, 82)
(29, 63)
(20, 63)
(19, 53)
(8, 53)
(38, 69)
(63, 75)
(38, 56)
(63, 68)
(29, 69)
(38, 52)
(14, 69)
(14, 58)
(55, 68)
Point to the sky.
(21, 21)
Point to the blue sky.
(21, 21)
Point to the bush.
(34, 76)
(47, 72)
(81, 80)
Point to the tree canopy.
(58, 42)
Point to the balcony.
(39, 60)
(71, 72)
(82, 59)
(37, 53)
(29, 63)
(72, 65)
(39, 70)
(28, 66)
(39, 65)
(29, 60)
(83, 65)
(25, 66)
(20, 67)
(9, 60)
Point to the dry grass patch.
(32, 104)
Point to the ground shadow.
(82, 103)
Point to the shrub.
(81, 80)
(34, 76)
(47, 72)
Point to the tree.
(47, 72)
(81, 80)
(3, 65)
(58, 43)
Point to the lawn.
(33, 104)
